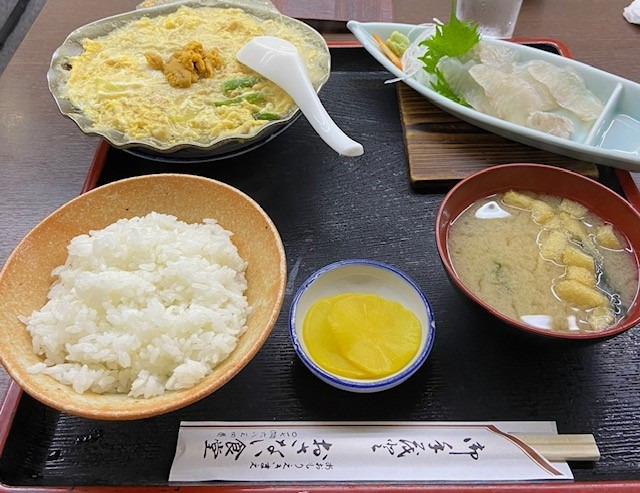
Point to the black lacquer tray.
(329, 208)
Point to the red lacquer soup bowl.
(548, 180)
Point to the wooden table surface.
(44, 157)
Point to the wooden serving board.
(443, 149)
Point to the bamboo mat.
(443, 149)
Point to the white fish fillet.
(512, 98)
(548, 102)
(568, 88)
(492, 81)
(551, 123)
(462, 84)
(501, 57)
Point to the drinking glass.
(497, 18)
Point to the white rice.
(145, 305)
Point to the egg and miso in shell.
(175, 79)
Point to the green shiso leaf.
(452, 40)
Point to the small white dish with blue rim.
(362, 276)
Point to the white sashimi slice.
(513, 99)
(551, 123)
(548, 102)
(462, 84)
(501, 57)
(568, 88)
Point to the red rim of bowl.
(625, 323)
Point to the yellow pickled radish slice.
(321, 344)
(378, 336)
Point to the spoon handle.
(309, 103)
(279, 61)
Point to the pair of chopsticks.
(387, 51)
(563, 447)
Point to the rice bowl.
(145, 305)
(25, 281)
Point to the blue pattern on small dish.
(401, 279)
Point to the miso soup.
(544, 261)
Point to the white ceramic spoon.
(279, 61)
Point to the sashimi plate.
(613, 139)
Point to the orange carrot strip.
(387, 51)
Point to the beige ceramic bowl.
(26, 278)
